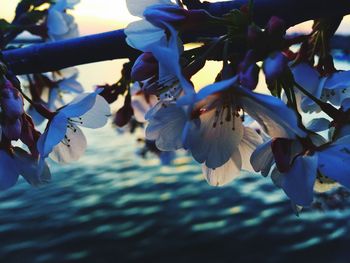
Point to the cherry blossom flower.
(60, 24)
(144, 36)
(141, 102)
(64, 82)
(63, 140)
(14, 162)
(218, 138)
(333, 88)
(300, 170)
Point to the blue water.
(113, 206)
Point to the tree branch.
(111, 45)
(67, 53)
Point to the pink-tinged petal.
(80, 105)
(8, 171)
(334, 161)
(275, 118)
(212, 142)
(226, 173)
(215, 88)
(53, 135)
(250, 141)
(97, 116)
(166, 127)
(141, 106)
(29, 168)
(71, 148)
(262, 158)
(298, 182)
(142, 35)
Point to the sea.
(115, 206)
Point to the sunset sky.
(104, 15)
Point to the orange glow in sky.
(105, 15)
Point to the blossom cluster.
(228, 126)
(295, 133)
(62, 140)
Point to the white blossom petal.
(226, 173)
(276, 119)
(213, 143)
(53, 134)
(71, 148)
(298, 182)
(29, 168)
(142, 35)
(166, 127)
(262, 158)
(250, 141)
(137, 7)
(71, 85)
(80, 105)
(97, 116)
(334, 161)
(56, 23)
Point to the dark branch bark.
(111, 45)
(62, 54)
(292, 11)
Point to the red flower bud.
(11, 101)
(145, 67)
(281, 149)
(276, 27)
(274, 66)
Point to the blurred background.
(114, 206)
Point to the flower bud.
(145, 67)
(29, 135)
(125, 113)
(276, 27)
(12, 129)
(250, 77)
(11, 101)
(281, 149)
(248, 71)
(274, 66)
(255, 36)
